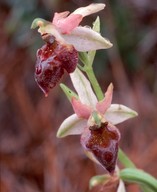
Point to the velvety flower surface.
(52, 60)
(95, 121)
(102, 142)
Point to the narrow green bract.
(133, 175)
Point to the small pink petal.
(66, 24)
(103, 105)
(59, 16)
(81, 110)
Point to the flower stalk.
(94, 115)
(124, 159)
(92, 78)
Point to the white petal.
(121, 187)
(90, 9)
(83, 88)
(118, 113)
(85, 39)
(71, 126)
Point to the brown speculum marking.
(52, 60)
(103, 143)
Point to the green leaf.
(133, 175)
(68, 92)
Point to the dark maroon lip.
(53, 59)
(103, 143)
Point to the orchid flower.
(95, 121)
(64, 38)
(65, 29)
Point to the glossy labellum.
(52, 60)
(103, 143)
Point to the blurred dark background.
(32, 158)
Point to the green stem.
(90, 73)
(123, 158)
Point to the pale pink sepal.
(117, 113)
(83, 88)
(58, 16)
(81, 110)
(66, 24)
(103, 105)
(85, 39)
(72, 126)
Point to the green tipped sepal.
(68, 92)
(39, 22)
